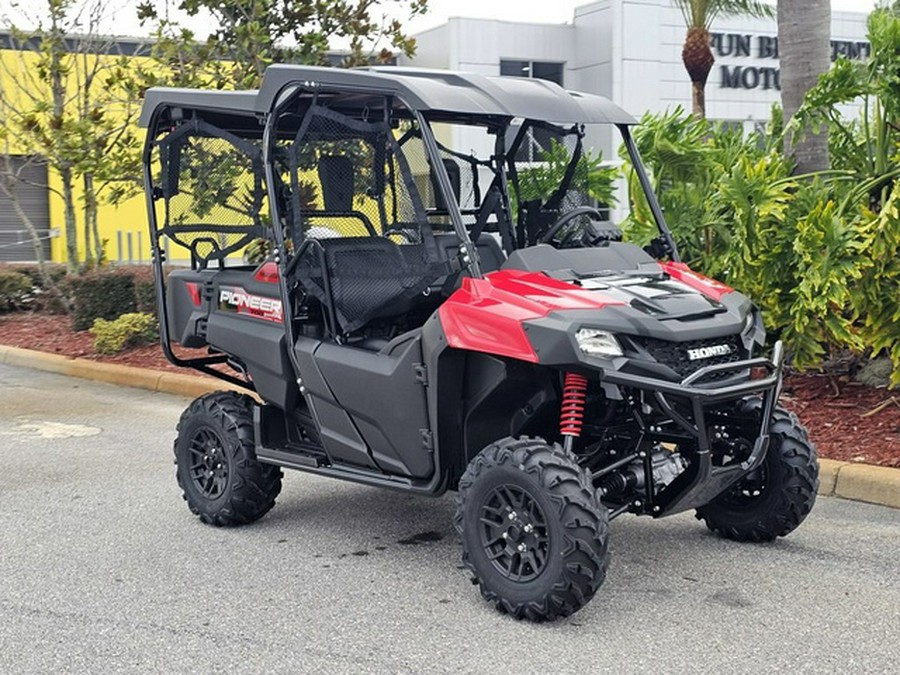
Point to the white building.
(630, 52)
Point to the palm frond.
(752, 8)
(700, 13)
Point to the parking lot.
(102, 569)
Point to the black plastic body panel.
(340, 437)
(504, 397)
(386, 402)
(475, 399)
(186, 319)
(257, 343)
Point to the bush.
(129, 330)
(814, 252)
(56, 271)
(100, 295)
(44, 297)
(15, 290)
(144, 289)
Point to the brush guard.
(702, 481)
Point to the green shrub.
(814, 252)
(145, 295)
(15, 290)
(44, 297)
(257, 250)
(56, 271)
(100, 295)
(129, 330)
(144, 288)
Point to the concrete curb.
(847, 480)
(860, 482)
(190, 386)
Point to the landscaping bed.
(847, 420)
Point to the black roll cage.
(501, 164)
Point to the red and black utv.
(416, 319)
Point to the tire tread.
(799, 484)
(255, 485)
(584, 521)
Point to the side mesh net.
(357, 218)
(212, 186)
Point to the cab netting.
(211, 183)
(356, 217)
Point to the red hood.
(486, 315)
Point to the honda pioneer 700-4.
(426, 317)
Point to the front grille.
(676, 354)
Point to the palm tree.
(696, 54)
(804, 45)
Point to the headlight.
(749, 322)
(595, 342)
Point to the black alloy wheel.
(534, 533)
(514, 533)
(209, 463)
(216, 466)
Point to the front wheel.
(775, 498)
(534, 534)
(217, 470)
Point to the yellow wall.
(127, 221)
(129, 216)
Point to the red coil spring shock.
(571, 413)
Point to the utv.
(421, 317)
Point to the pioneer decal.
(709, 352)
(238, 300)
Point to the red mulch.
(838, 412)
(53, 333)
(847, 420)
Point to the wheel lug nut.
(521, 548)
(505, 535)
(512, 515)
(529, 527)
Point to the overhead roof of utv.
(421, 89)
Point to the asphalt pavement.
(104, 569)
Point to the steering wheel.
(564, 219)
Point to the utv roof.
(203, 99)
(421, 89)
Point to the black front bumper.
(702, 482)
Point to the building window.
(540, 70)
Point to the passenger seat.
(490, 253)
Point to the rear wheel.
(534, 534)
(774, 499)
(216, 468)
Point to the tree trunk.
(86, 225)
(804, 47)
(57, 46)
(698, 99)
(98, 242)
(698, 60)
(91, 231)
(71, 226)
